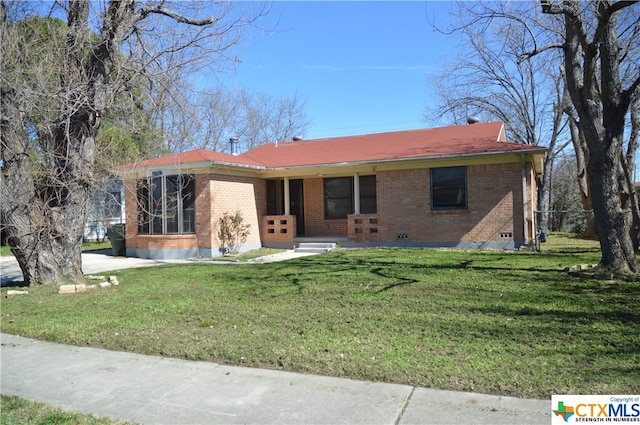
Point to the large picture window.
(449, 188)
(166, 204)
(339, 195)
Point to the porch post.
(356, 193)
(525, 200)
(287, 197)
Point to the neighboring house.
(107, 209)
(458, 186)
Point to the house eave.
(187, 167)
(515, 155)
(316, 169)
(225, 164)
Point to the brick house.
(458, 186)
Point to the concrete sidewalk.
(155, 390)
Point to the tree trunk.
(601, 108)
(630, 201)
(544, 201)
(612, 221)
(50, 122)
(45, 202)
(45, 241)
(629, 167)
(581, 152)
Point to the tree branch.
(621, 5)
(627, 95)
(158, 10)
(525, 56)
(634, 112)
(568, 9)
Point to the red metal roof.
(475, 139)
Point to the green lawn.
(510, 323)
(17, 411)
(87, 246)
(96, 246)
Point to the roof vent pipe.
(233, 141)
(473, 120)
(297, 138)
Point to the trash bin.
(116, 235)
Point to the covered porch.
(279, 231)
(320, 208)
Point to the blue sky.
(363, 67)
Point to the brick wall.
(314, 221)
(204, 220)
(215, 195)
(230, 194)
(494, 208)
(365, 228)
(494, 200)
(278, 228)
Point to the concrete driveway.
(103, 261)
(94, 262)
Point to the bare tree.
(599, 62)
(207, 120)
(628, 166)
(487, 77)
(219, 114)
(581, 157)
(566, 202)
(53, 107)
(603, 77)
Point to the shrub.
(232, 232)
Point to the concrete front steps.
(315, 247)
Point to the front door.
(296, 196)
